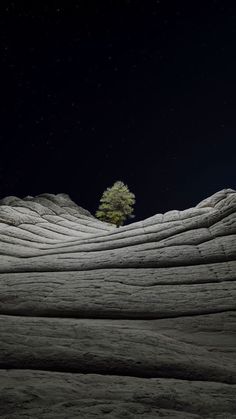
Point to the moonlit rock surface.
(100, 322)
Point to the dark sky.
(98, 91)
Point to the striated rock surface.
(100, 322)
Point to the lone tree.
(116, 204)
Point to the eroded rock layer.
(135, 322)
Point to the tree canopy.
(116, 204)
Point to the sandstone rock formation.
(135, 322)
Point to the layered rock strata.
(135, 322)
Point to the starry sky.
(143, 92)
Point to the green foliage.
(116, 204)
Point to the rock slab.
(135, 322)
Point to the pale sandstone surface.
(135, 322)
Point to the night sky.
(94, 92)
